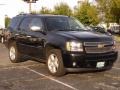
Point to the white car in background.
(115, 29)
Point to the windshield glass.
(63, 23)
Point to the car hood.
(85, 36)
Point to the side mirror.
(36, 28)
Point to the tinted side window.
(36, 22)
(25, 24)
(57, 23)
(15, 22)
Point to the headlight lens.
(74, 46)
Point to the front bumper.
(80, 61)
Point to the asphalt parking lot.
(31, 75)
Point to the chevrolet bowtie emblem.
(100, 45)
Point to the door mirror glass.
(36, 28)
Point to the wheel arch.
(51, 46)
(11, 40)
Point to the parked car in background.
(114, 29)
(100, 30)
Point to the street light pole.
(30, 6)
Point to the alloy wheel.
(53, 63)
(12, 53)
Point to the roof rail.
(22, 14)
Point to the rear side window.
(25, 24)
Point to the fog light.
(74, 64)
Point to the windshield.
(63, 23)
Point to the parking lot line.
(13, 67)
(114, 77)
(67, 85)
(108, 86)
(116, 68)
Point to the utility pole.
(30, 4)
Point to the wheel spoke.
(54, 69)
(12, 53)
(53, 63)
(52, 57)
(56, 62)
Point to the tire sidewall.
(16, 53)
(60, 70)
(2, 39)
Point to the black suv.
(62, 42)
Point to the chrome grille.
(93, 47)
(97, 43)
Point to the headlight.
(74, 46)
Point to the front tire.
(55, 63)
(14, 55)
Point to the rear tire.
(14, 55)
(2, 40)
(55, 62)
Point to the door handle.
(16, 34)
(28, 36)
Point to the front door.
(22, 36)
(36, 39)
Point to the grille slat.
(97, 43)
(93, 47)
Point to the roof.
(42, 15)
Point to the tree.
(7, 21)
(44, 10)
(87, 14)
(115, 10)
(62, 9)
(103, 8)
(111, 10)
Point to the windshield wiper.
(70, 29)
(64, 30)
(80, 29)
